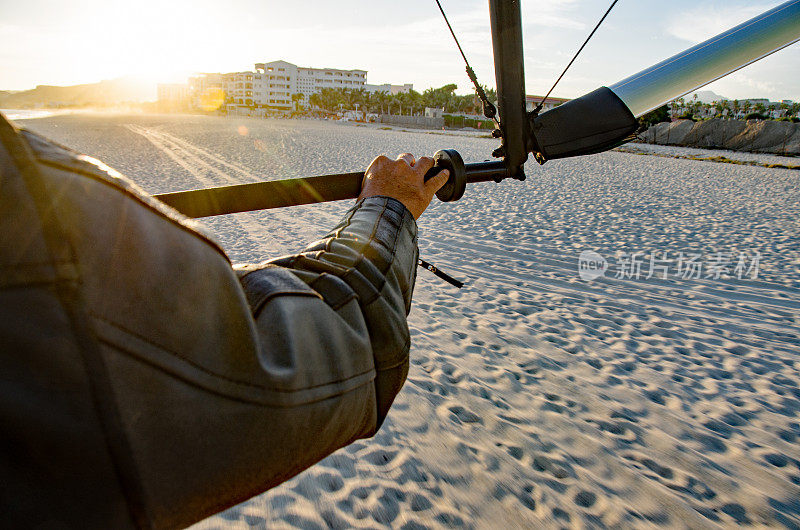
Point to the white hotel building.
(272, 84)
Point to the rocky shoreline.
(755, 136)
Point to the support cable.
(489, 109)
(541, 103)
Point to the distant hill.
(104, 94)
(706, 96)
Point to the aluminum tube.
(506, 23)
(711, 60)
(485, 171)
(264, 195)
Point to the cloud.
(757, 85)
(552, 14)
(701, 23)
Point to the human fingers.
(379, 162)
(408, 157)
(433, 184)
(423, 164)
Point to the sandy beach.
(625, 352)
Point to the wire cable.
(489, 109)
(452, 33)
(541, 103)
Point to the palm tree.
(442, 97)
(380, 100)
(296, 99)
(406, 100)
(415, 100)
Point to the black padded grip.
(593, 123)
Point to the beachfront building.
(279, 81)
(313, 80)
(243, 89)
(206, 91)
(776, 114)
(434, 112)
(757, 101)
(280, 85)
(273, 85)
(389, 89)
(549, 103)
(247, 88)
(172, 97)
(172, 92)
(285, 79)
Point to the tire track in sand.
(211, 170)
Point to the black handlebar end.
(456, 184)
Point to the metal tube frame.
(670, 79)
(509, 66)
(717, 57)
(280, 193)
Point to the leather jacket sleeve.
(335, 314)
(145, 383)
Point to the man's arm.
(150, 389)
(330, 342)
(358, 278)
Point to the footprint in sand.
(280, 502)
(543, 464)
(449, 520)
(380, 457)
(333, 521)
(561, 515)
(627, 433)
(459, 414)
(330, 482)
(525, 496)
(420, 503)
(777, 460)
(343, 463)
(585, 499)
(737, 512)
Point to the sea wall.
(757, 136)
(413, 121)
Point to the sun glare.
(153, 41)
(212, 99)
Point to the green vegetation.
(461, 121)
(696, 110)
(654, 116)
(406, 103)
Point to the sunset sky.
(60, 43)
